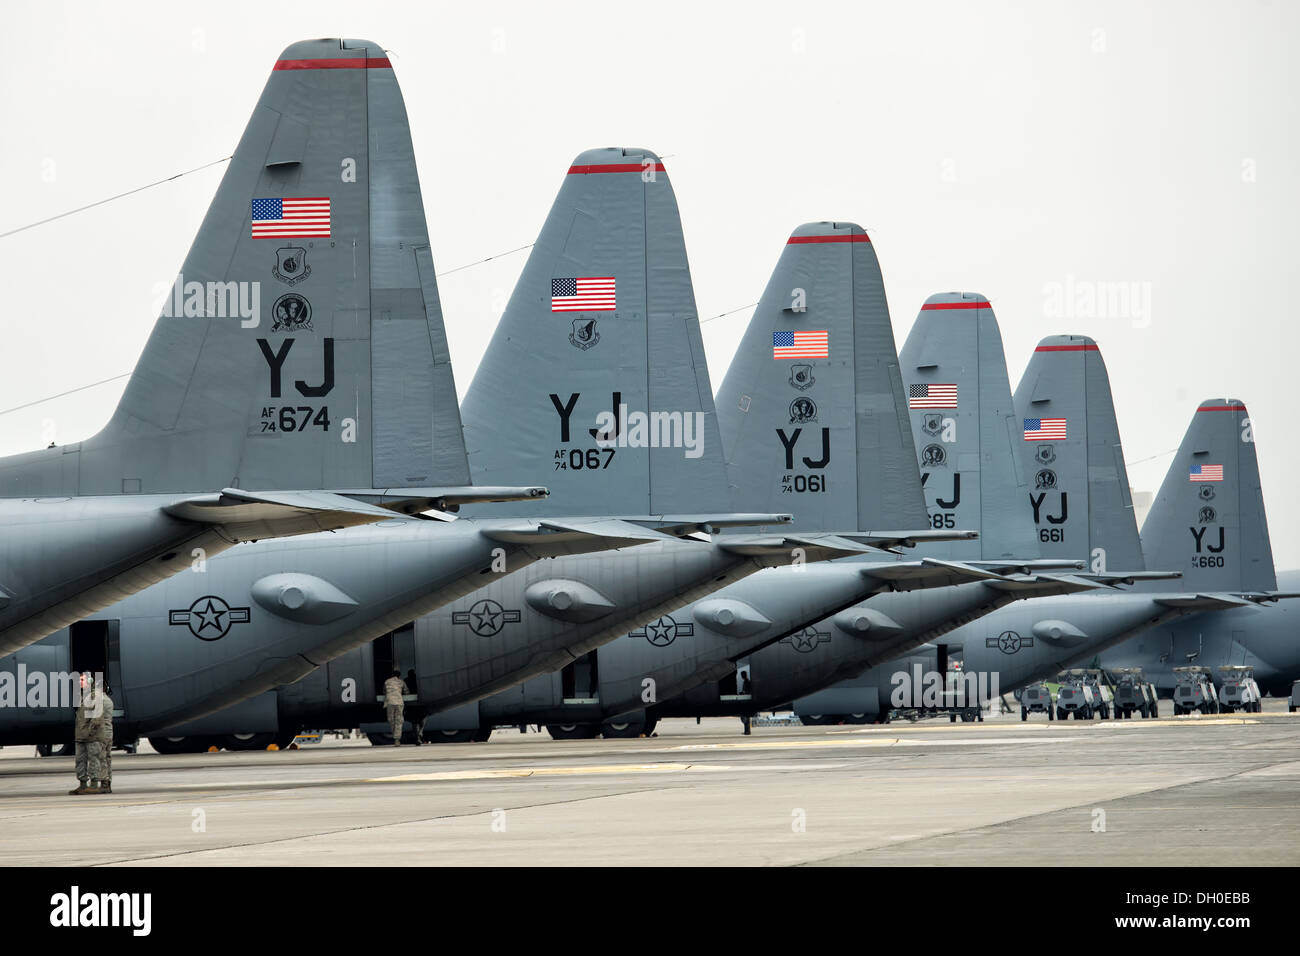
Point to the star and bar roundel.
(209, 618)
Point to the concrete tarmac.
(1176, 791)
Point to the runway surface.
(1178, 791)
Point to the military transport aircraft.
(501, 635)
(1066, 383)
(865, 462)
(292, 383)
(834, 269)
(959, 400)
(1218, 546)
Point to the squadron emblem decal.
(486, 617)
(1206, 515)
(933, 456)
(1046, 478)
(291, 265)
(291, 313)
(801, 377)
(803, 409)
(209, 618)
(584, 334)
(664, 631)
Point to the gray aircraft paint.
(780, 624)
(1091, 462)
(268, 614)
(202, 410)
(845, 420)
(1263, 637)
(1215, 532)
(615, 217)
(969, 451)
(1189, 513)
(973, 478)
(1042, 637)
(555, 611)
(773, 603)
(1079, 492)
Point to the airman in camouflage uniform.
(394, 690)
(93, 734)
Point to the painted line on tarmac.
(509, 772)
(870, 742)
(948, 727)
(1183, 721)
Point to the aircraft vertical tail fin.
(1208, 519)
(1079, 494)
(302, 345)
(595, 377)
(965, 427)
(812, 411)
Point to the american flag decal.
(583, 294)
(291, 218)
(932, 396)
(797, 345)
(1205, 473)
(1044, 429)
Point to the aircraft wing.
(1267, 597)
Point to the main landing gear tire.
(622, 729)
(814, 720)
(56, 750)
(183, 745)
(247, 741)
(452, 736)
(572, 731)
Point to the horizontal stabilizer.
(1202, 602)
(1268, 597)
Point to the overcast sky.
(1032, 152)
